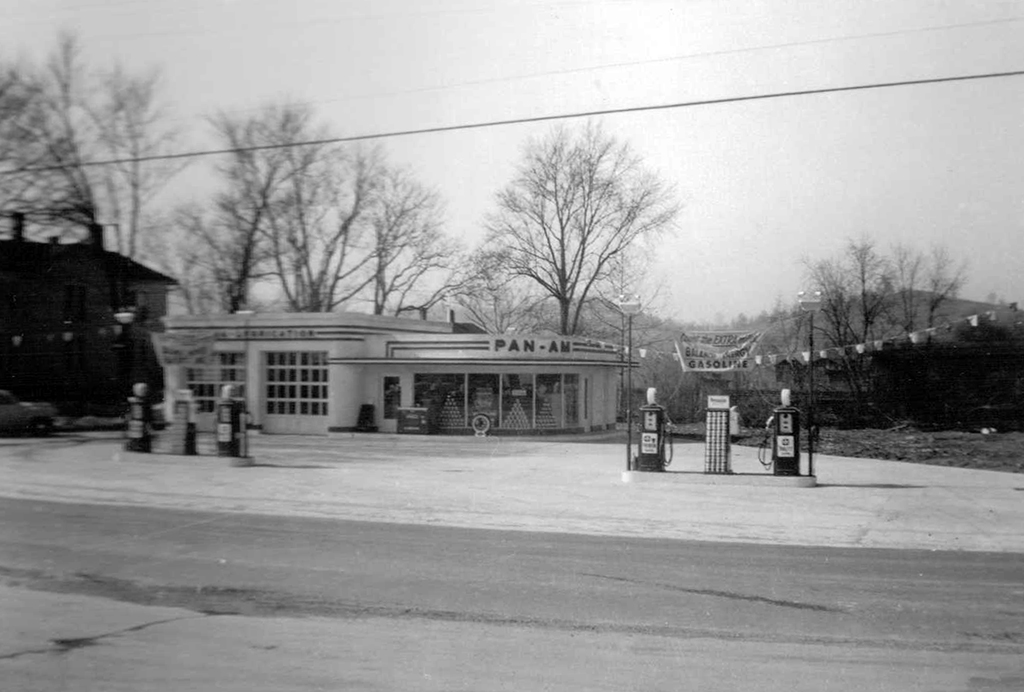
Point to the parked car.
(25, 417)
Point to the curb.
(695, 478)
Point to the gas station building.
(322, 373)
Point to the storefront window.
(549, 401)
(444, 396)
(483, 395)
(572, 389)
(517, 402)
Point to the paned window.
(296, 383)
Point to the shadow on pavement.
(880, 486)
(264, 464)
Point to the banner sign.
(717, 351)
(184, 348)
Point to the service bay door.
(295, 392)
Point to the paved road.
(420, 607)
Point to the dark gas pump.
(140, 420)
(656, 449)
(784, 427)
(232, 437)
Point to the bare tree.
(415, 266)
(908, 266)
(178, 250)
(496, 301)
(628, 277)
(944, 280)
(59, 119)
(129, 122)
(923, 283)
(17, 95)
(576, 204)
(857, 295)
(235, 233)
(60, 138)
(318, 228)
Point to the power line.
(529, 120)
(640, 63)
(683, 57)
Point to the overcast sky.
(764, 183)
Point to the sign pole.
(629, 400)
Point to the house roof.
(38, 258)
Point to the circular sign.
(481, 424)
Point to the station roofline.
(371, 324)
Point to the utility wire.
(529, 120)
(680, 58)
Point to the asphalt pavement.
(83, 642)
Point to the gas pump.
(232, 437)
(784, 426)
(183, 430)
(140, 420)
(654, 436)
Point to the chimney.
(451, 315)
(18, 226)
(96, 235)
(423, 313)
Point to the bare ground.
(997, 451)
(994, 452)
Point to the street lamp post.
(629, 308)
(245, 340)
(125, 349)
(809, 303)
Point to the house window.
(8, 301)
(74, 355)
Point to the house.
(75, 320)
